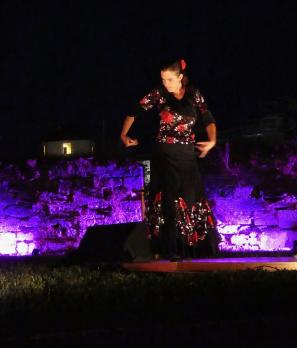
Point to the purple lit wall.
(255, 200)
(49, 207)
(253, 224)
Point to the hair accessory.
(183, 64)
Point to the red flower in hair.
(183, 64)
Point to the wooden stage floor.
(216, 264)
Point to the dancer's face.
(171, 80)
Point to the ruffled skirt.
(177, 212)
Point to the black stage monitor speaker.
(121, 242)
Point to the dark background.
(76, 68)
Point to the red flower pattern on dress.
(174, 126)
(170, 140)
(144, 100)
(200, 102)
(193, 223)
(167, 117)
(181, 127)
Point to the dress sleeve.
(146, 103)
(204, 114)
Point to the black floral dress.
(177, 210)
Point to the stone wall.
(253, 191)
(46, 207)
(248, 223)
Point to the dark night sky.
(71, 64)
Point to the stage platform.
(216, 264)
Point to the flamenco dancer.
(178, 215)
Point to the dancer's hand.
(127, 141)
(204, 147)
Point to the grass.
(55, 295)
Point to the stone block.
(287, 218)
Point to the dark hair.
(179, 67)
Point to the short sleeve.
(205, 114)
(149, 101)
